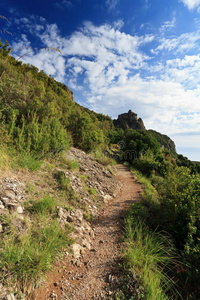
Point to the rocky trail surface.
(94, 274)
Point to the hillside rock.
(12, 192)
(165, 141)
(97, 177)
(129, 120)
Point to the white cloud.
(191, 4)
(181, 44)
(118, 24)
(168, 25)
(112, 72)
(112, 4)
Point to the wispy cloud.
(181, 44)
(147, 4)
(112, 4)
(168, 25)
(191, 4)
(63, 4)
(118, 24)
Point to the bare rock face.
(129, 120)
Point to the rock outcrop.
(129, 120)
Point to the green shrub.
(92, 191)
(48, 136)
(175, 209)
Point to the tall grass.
(151, 255)
(102, 158)
(29, 161)
(5, 160)
(25, 258)
(44, 206)
(72, 165)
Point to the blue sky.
(118, 55)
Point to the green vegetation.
(164, 141)
(26, 257)
(150, 255)
(170, 204)
(73, 165)
(37, 114)
(44, 206)
(38, 122)
(104, 158)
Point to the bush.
(49, 136)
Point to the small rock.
(109, 278)
(86, 244)
(78, 263)
(83, 251)
(110, 293)
(10, 194)
(93, 250)
(20, 210)
(53, 295)
(70, 219)
(76, 250)
(1, 228)
(91, 233)
(10, 297)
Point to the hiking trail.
(92, 277)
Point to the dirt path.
(93, 276)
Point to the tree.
(5, 49)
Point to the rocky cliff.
(165, 141)
(129, 120)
